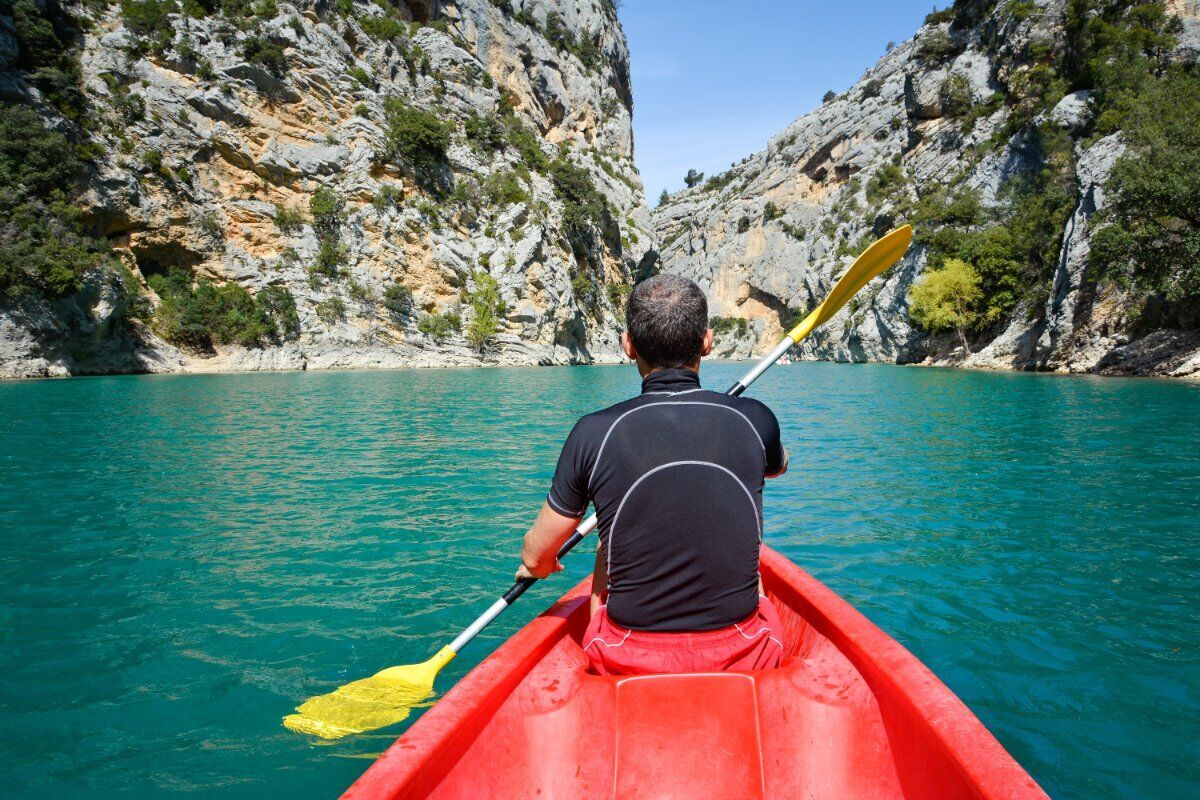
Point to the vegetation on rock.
(487, 310)
(945, 299)
(198, 314)
(46, 247)
(737, 326)
(440, 326)
(417, 140)
(1149, 239)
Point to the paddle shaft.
(588, 525)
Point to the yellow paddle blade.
(875, 260)
(383, 699)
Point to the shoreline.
(604, 361)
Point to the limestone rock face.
(768, 238)
(203, 147)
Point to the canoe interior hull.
(850, 714)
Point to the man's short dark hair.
(666, 317)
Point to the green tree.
(34, 160)
(328, 209)
(197, 313)
(267, 54)
(331, 311)
(440, 326)
(1150, 234)
(398, 300)
(583, 205)
(945, 299)
(46, 246)
(416, 139)
(955, 96)
(485, 132)
(487, 310)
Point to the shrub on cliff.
(47, 39)
(331, 257)
(945, 298)
(487, 310)
(34, 161)
(328, 209)
(197, 313)
(278, 304)
(45, 247)
(384, 27)
(504, 188)
(525, 142)
(886, 183)
(485, 132)
(936, 46)
(737, 326)
(398, 300)
(583, 205)
(1150, 234)
(440, 326)
(331, 311)
(288, 220)
(582, 287)
(561, 37)
(266, 54)
(416, 139)
(955, 96)
(149, 19)
(937, 17)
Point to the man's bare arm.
(548, 533)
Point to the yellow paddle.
(387, 697)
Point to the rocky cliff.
(995, 131)
(273, 184)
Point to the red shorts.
(754, 643)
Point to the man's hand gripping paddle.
(387, 697)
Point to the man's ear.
(708, 343)
(627, 346)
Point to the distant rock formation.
(974, 110)
(212, 126)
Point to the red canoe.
(850, 714)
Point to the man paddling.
(676, 475)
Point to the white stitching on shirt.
(612, 530)
(558, 507)
(617, 421)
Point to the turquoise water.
(186, 558)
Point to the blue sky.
(712, 81)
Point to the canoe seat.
(693, 736)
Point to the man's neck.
(645, 370)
